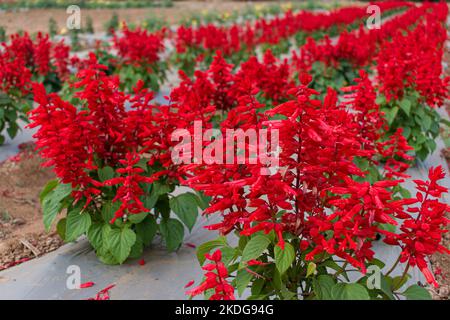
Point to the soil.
(22, 234)
(34, 20)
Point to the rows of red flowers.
(347, 136)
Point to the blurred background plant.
(2, 34)
(85, 4)
(52, 27)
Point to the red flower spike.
(215, 279)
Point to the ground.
(22, 233)
(37, 19)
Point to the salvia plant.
(307, 228)
(411, 85)
(2, 34)
(23, 61)
(307, 231)
(112, 24)
(52, 27)
(114, 169)
(89, 25)
(139, 58)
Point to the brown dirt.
(35, 20)
(21, 227)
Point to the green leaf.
(311, 269)
(95, 235)
(137, 249)
(11, 115)
(208, 246)
(284, 258)
(4, 100)
(443, 121)
(276, 280)
(137, 218)
(416, 292)
(430, 144)
(109, 209)
(120, 242)
(243, 278)
(406, 132)
(405, 105)
(385, 287)
(158, 188)
(77, 224)
(322, 286)
(162, 207)
(147, 229)
(404, 192)
(106, 256)
(255, 247)
(390, 114)
(243, 240)
(52, 203)
(349, 291)
(228, 255)
(61, 228)
(185, 207)
(173, 233)
(380, 264)
(105, 173)
(387, 227)
(202, 200)
(380, 100)
(257, 286)
(426, 122)
(398, 282)
(48, 187)
(286, 294)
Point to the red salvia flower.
(216, 274)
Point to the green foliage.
(335, 77)
(154, 23)
(53, 200)
(13, 107)
(2, 34)
(52, 27)
(416, 292)
(255, 247)
(286, 274)
(420, 122)
(153, 75)
(284, 257)
(114, 242)
(89, 25)
(75, 40)
(185, 207)
(112, 24)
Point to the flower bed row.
(303, 224)
(138, 54)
